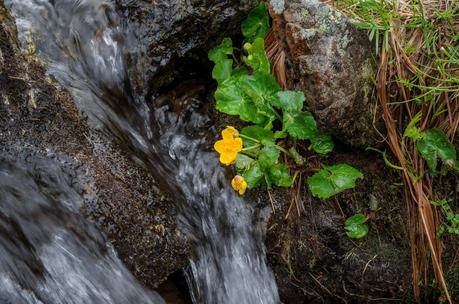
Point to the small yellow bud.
(239, 184)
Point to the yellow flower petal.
(236, 144)
(228, 158)
(228, 147)
(230, 133)
(220, 146)
(239, 184)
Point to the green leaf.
(232, 100)
(280, 134)
(322, 143)
(221, 51)
(268, 156)
(412, 131)
(280, 176)
(332, 180)
(434, 146)
(256, 57)
(222, 70)
(240, 71)
(263, 136)
(289, 101)
(300, 125)
(253, 175)
(356, 219)
(257, 23)
(261, 87)
(355, 226)
(243, 162)
(440, 231)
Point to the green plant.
(453, 219)
(277, 121)
(416, 83)
(434, 146)
(332, 180)
(355, 226)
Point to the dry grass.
(416, 43)
(418, 73)
(276, 56)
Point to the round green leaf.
(230, 99)
(268, 156)
(322, 143)
(265, 137)
(257, 23)
(257, 58)
(280, 176)
(332, 180)
(356, 231)
(435, 145)
(243, 162)
(222, 70)
(356, 219)
(289, 101)
(221, 51)
(300, 125)
(253, 175)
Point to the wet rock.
(38, 117)
(176, 35)
(330, 59)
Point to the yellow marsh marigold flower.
(239, 184)
(230, 132)
(229, 146)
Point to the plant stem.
(275, 112)
(251, 147)
(294, 176)
(248, 154)
(283, 150)
(249, 138)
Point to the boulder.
(331, 60)
(175, 36)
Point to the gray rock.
(330, 59)
(174, 34)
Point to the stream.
(48, 252)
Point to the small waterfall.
(48, 252)
(84, 44)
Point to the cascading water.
(48, 253)
(84, 45)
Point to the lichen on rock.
(331, 60)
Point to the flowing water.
(86, 47)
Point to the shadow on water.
(86, 47)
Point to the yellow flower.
(239, 184)
(229, 146)
(230, 132)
